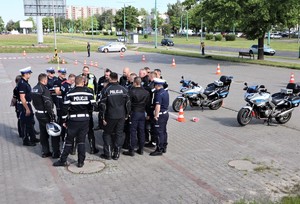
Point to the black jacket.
(139, 98)
(42, 100)
(78, 104)
(114, 102)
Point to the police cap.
(50, 70)
(62, 70)
(26, 70)
(159, 81)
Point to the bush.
(105, 33)
(90, 33)
(112, 33)
(209, 36)
(218, 37)
(145, 36)
(230, 37)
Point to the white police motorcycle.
(194, 95)
(262, 105)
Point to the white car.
(113, 47)
(267, 50)
(122, 39)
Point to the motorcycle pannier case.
(295, 87)
(226, 80)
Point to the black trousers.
(78, 130)
(91, 134)
(44, 137)
(27, 124)
(137, 130)
(115, 126)
(161, 131)
(59, 118)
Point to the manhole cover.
(242, 165)
(90, 167)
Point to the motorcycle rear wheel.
(284, 119)
(216, 106)
(177, 103)
(244, 117)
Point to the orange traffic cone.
(47, 57)
(173, 63)
(121, 55)
(92, 64)
(136, 53)
(75, 63)
(96, 64)
(63, 61)
(74, 52)
(181, 116)
(84, 62)
(218, 70)
(292, 79)
(143, 58)
(24, 53)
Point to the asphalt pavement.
(194, 170)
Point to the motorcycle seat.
(277, 98)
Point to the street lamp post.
(187, 25)
(155, 23)
(92, 25)
(201, 37)
(54, 25)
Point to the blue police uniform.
(161, 98)
(59, 102)
(27, 124)
(50, 84)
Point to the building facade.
(75, 12)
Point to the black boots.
(116, 154)
(129, 153)
(106, 153)
(60, 163)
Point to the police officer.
(144, 76)
(14, 101)
(139, 99)
(91, 83)
(50, 85)
(76, 116)
(102, 82)
(124, 79)
(161, 116)
(114, 107)
(59, 102)
(26, 113)
(150, 136)
(43, 104)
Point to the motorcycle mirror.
(245, 84)
(245, 88)
(262, 86)
(181, 77)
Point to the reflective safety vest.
(90, 84)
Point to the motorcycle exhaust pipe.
(217, 101)
(285, 112)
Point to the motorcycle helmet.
(53, 129)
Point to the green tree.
(175, 11)
(33, 22)
(48, 24)
(105, 20)
(11, 25)
(1, 24)
(160, 21)
(254, 17)
(131, 18)
(166, 29)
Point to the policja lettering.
(116, 91)
(81, 98)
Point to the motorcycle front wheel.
(216, 106)
(284, 119)
(244, 116)
(177, 103)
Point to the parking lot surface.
(194, 170)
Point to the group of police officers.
(136, 104)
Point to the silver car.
(267, 50)
(113, 47)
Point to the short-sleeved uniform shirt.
(161, 97)
(24, 87)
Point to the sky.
(14, 9)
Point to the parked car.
(122, 39)
(113, 47)
(267, 50)
(167, 42)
